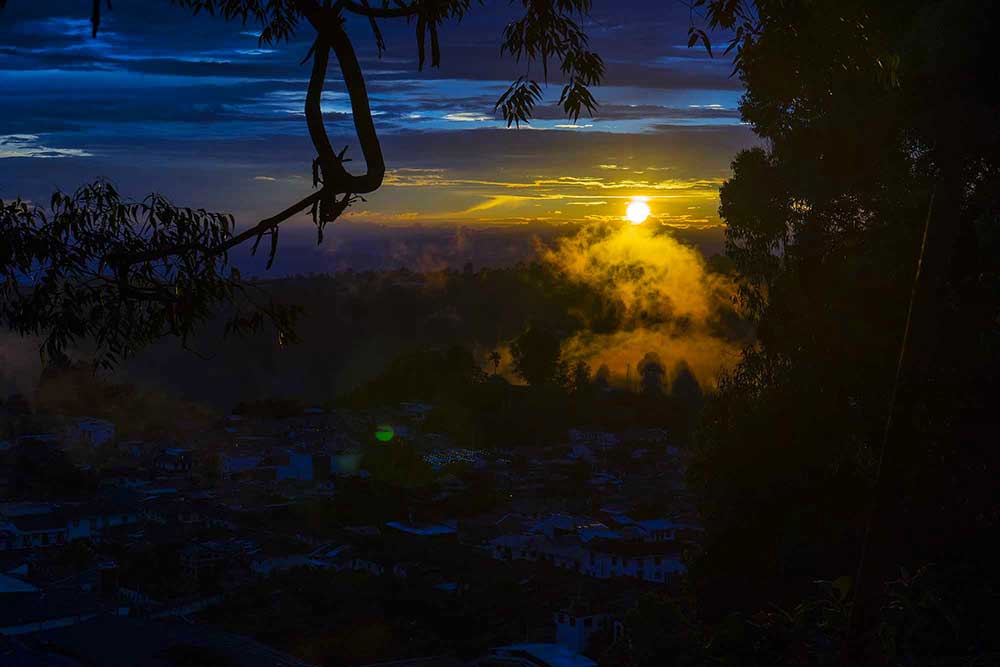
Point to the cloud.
(468, 117)
(28, 146)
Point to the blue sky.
(197, 109)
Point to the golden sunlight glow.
(637, 211)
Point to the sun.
(637, 211)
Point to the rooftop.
(113, 641)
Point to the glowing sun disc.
(637, 212)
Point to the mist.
(669, 302)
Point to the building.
(36, 530)
(592, 549)
(533, 655)
(115, 641)
(654, 562)
(173, 459)
(578, 623)
(90, 432)
(93, 521)
(24, 613)
(38, 525)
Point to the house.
(34, 611)
(11, 584)
(654, 530)
(30, 525)
(367, 564)
(578, 623)
(425, 529)
(173, 459)
(92, 521)
(649, 561)
(28, 531)
(304, 467)
(563, 552)
(275, 465)
(233, 464)
(599, 557)
(278, 555)
(331, 557)
(116, 641)
(198, 560)
(594, 440)
(90, 432)
(533, 655)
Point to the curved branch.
(361, 110)
(333, 36)
(336, 179)
(379, 12)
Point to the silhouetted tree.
(495, 360)
(581, 376)
(602, 378)
(651, 375)
(882, 155)
(535, 355)
(122, 274)
(684, 387)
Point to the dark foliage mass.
(355, 325)
(79, 272)
(867, 226)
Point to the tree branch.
(330, 27)
(380, 12)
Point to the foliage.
(581, 380)
(880, 153)
(651, 375)
(536, 355)
(942, 610)
(73, 390)
(661, 631)
(79, 272)
(270, 408)
(397, 464)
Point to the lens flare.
(637, 211)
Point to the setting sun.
(637, 211)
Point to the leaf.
(421, 30)
(842, 586)
(707, 43)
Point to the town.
(356, 533)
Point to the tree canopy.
(864, 234)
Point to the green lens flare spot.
(384, 433)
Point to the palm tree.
(495, 360)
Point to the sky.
(196, 109)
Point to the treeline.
(482, 409)
(353, 325)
